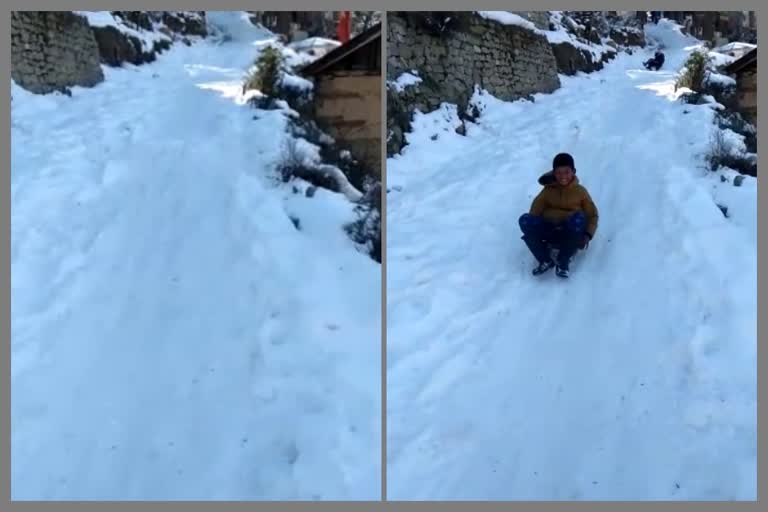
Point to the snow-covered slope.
(635, 379)
(173, 335)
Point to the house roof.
(745, 61)
(342, 51)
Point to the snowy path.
(635, 379)
(174, 336)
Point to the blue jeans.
(538, 232)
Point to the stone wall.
(53, 50)
(117, 47)
(452, 52)
(510, 62)
(571, 60)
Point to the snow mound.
(508, 18)
(720, 79)
(670, 36)
(405, 80)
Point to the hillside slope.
(633, 380)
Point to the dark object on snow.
(738, 180)
(656, 62)
(296, 222)
(723, 209)
(310, 192)
(655, 17)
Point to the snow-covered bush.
(734, 121)
(694, 72)
(728, 149)
(366, 231)
(265, 76)
(272, 77)
(720, 87)
(301, 159)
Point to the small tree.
(266, 77)
(695, 71)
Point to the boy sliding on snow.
(562, 214)
(655, 63)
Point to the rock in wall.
(117, 47)
(53, 50)
(571, 59)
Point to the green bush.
(694, 72)
(265, 77)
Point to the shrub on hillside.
(723, 153)
(694, 72)
(265, 76)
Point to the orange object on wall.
(344, 28)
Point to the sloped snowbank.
(184, 327)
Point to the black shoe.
(543, 267)
(562, 271)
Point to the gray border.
(352, 506)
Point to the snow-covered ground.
(174, 336)
(633, 380)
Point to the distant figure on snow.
(655, 17)
(656, 62)
(562, 215)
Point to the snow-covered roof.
(747, 60)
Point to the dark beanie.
(563, 160)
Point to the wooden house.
(744, 70)
(348, 93)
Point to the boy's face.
(563, 175)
